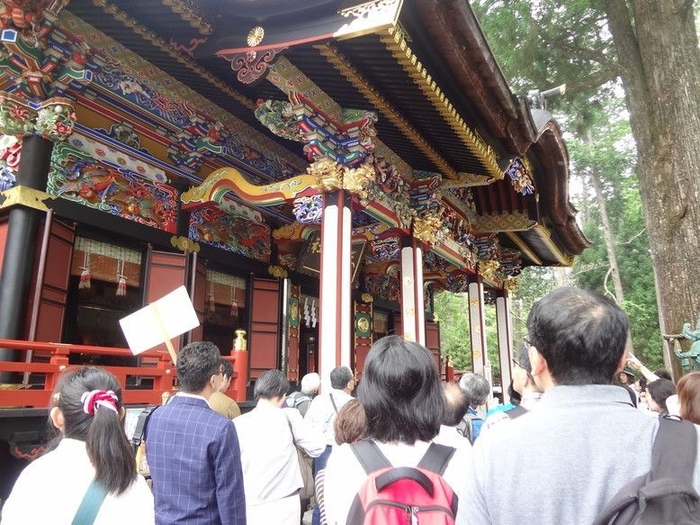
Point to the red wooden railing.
(155, 365)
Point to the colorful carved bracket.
(223, 180)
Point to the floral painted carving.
(16, 117)
(386, 249)
(115, 191)
(55, 119)
(287, 260)
(457, 282)
(231, 232)
(10, 150)
(308, 210)
(386, 286)
(520, 178)
(278, 117)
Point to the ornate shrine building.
(312, 172)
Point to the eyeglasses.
(527, 372)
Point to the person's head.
(577, 337)
(350, 424)
(662, 373)
(310, 383)
(88, 407)
(522, 371)
(227, 369)
(456, 404)
(689, 397)
(626, 376)
(342, 379)
(476, 387)
(401, 392)
(199, 368)
(272, 385)
(659, 391)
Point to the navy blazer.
(195, 464)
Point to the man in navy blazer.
(192, 451)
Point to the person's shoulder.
(341, 454)
(318, 403)
(292, 414)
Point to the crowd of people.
(578, 429)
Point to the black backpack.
(466, 426)
(665, 495)
(138, 440)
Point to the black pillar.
(20, 246)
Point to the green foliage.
(546, 43)
(453, 312)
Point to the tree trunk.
(657, 48)
(609, 235)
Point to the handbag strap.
(90, 506)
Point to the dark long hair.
(103, 433)
(401, 392)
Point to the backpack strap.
(436, 458)
(675, 448)
(335, 407)
(140, 430)
(516, 412)
(466, 426)
(671, 473)
(370, 457)
(90, 504)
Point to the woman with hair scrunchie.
(91, 446)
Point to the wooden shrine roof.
(432, 80)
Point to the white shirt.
(450, 437)
(50, 489)
(321, 413)
(345, 475)
(268, 455)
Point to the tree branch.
(592, 81)
(639, 233)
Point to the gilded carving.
(277, 271)
(184, 244)
(488, 269)
(511, 284)
(426, 229)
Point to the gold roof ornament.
(255, 36)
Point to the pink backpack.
(403, 495)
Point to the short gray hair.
(310, 383)
(476, 387)
(340, 377)
(270, 384)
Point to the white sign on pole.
(160, 321)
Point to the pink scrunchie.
(99, 398)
